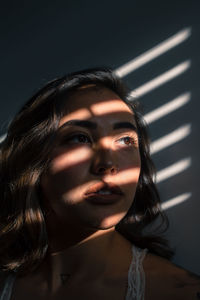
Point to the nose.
(104, 162)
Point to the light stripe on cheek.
(69, 159)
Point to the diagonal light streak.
(167, 108)
(171, 138)
(175, 201)
(153, 53)
(160, 80)
(174, 169)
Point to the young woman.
(77, 196)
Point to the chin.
(106, 223)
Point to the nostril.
(113, 171)
(105, 169)
(102, 170)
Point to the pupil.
(82, 138)
(127, 141)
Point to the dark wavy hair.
(25, 154)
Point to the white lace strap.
(7, 290)
(136, 276)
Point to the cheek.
(66, 163)
(66, 172)
(64, 180)
(129, 168)
(71, 159)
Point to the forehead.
(96, 103)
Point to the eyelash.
(78, 135)
(131, 141)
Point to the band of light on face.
(173, 169)
(175, 201)
(153, 53)
(167, 108)
(108, 107)
(71, 158)
(122, 178)
(171, 138)
(160, 80)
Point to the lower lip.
(101, 199)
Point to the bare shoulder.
(166, 281)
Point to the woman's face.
(95, 164)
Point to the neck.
(83, 256)
(82, 252)
(78, 254)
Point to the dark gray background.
(41, 40)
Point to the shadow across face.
(95, 162)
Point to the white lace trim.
(136, 276)
(7, 290)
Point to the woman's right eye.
(78, 139)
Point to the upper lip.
(113, 188)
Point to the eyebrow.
(80, 123)
(125, 125)
(93, 125)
